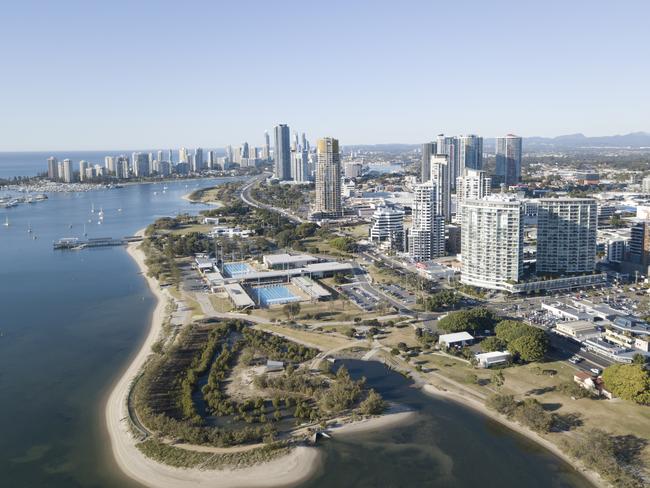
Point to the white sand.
(297, 466)
(382, 422)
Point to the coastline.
(297, 466)
(593, 477)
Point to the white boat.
(6, 224)
(92, 208)
(29, 228)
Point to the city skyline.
(61, 93)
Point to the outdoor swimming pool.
(234, 270)
(273, 295)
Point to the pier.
(75, 243)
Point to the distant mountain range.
(567, 142)
(576, 141)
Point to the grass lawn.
(186, 229)
(320, 340)
(220, 304)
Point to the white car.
(596, 371)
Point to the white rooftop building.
(455, 339)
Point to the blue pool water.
(273, 295)
(233, 270)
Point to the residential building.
(471, 185)
(566, 235)
(508, 160)
(449, 147)
(282, 152)
(388, 227)
(470, 153)
(83, 165)
(492, 243)
(328, 179)
(140, 165)
(428, 150)
(299, 166)
(427, 234)
(67, 175)
(439, 168)
(53, 168)
(197, 160)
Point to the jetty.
(76, 243)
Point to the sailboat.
(6, 224)
(85, 233)
(29, 228)
(101, 214)
(92, 208)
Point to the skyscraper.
(299, 169)
(492, 242)
(140, 164)
(282, 152)
(470, 153)
(83, 165)
(197, 160)
(428, 150)
(109, 164)
(183, 155)
(440, 177)
(473, 185)
(53, 168)
(328, 179)
(388, 227)
(508, 160)
(449, 147)
(266, 150)
(427, 234)
(68, 174)
(566, 235)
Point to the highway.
(247, 198)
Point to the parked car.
(596, 371)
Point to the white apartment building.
(427, 234)
(566, 235)
(492, 242)
(388, 226)
(440, 176)
(472, 185)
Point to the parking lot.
(362, 298)
(398, 292)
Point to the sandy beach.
(479, 407)
(298, 465)
(382, 422)
(188, 199)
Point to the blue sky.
(145, 74)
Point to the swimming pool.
(234, 270)
(273, 295)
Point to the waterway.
(71, 320)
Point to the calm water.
(70, 321)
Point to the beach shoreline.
(297, 466)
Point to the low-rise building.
(288, 261)
(579, 330)
(493, 358)
(455, 339)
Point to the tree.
(291, 309)
(373, 404)
(498, 379)
(476, 319)
(530, 347)
(493, 344)
(639, 359)
(509, 330)
(628, 381)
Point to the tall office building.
(492, 242)
(212, 159)
(428, 150)
(305, 143)
(473, 185)
(566, 235)
(160, 155)
(53, 168)
(508, 160)
(68, 174)
(83, 165)
(170, 156)
(388, 227)
(427, 234)
(440, 177)
(328, 179)
(229, 154)
(183, 155)
(299, 166)
(470, 153)
(282, 152)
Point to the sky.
(146, 74)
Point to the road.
(247, 198)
